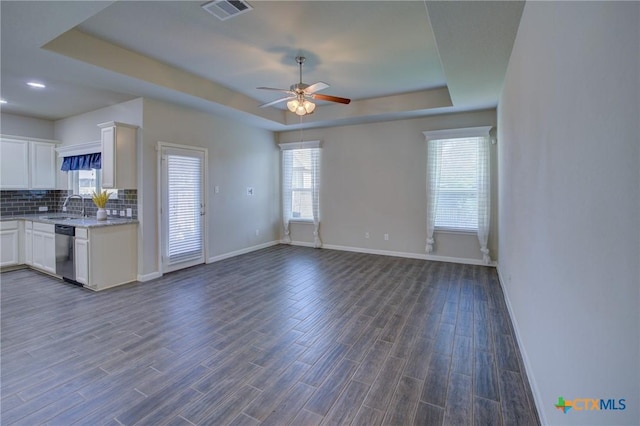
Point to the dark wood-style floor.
(285, 335)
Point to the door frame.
(160, 147)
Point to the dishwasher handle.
(65, 230)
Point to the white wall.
(240, 156)
(17, 125)
(570, 204)
(374, 180)
(84, 128)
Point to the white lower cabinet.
(106, 256)
(44, 247)
(9, 243)
(81, 249)
(28, 242)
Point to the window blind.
(457, 192)
(302, 184)
(185, 206)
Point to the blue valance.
(82, 162)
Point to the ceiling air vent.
(225, 9)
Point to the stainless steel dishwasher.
(65, 253)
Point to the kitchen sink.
(60, 217)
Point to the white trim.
(299, 243)
(525, 359)
(300, 145)
(79, 149)
(149, 277)
(456, 231)
(468, 132)
(116, 124)
(242, 251)
(28, 139)
(407, 255)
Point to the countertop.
(69, 219)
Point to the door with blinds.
(183, 207)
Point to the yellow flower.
(100, 199)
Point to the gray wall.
(570, 204)
(374, 180)
(17, 125)
(239, 156)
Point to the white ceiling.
(394, 59)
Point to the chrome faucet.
(66, 200)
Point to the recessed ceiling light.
(36, 85)
(2, 101)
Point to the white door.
(183, 207)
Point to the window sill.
(298, 220)
(456, 231)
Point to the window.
(458, 183)
(301, 185)
(85, 182)
(457, 192)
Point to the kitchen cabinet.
(106, 256)
(119, 159)
(81, 249)
(14, 164)
(9, 243)
(44, 247)
(27, 164)
(28, 242)
(43, 165)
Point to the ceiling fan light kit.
(303, 107)
(297, 101)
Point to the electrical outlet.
(386, 237)
(216, 189)
(64, 209)
(43, 209)
(121, 212)
(249, 190)
(129, 212)
(366, 235)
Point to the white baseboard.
(241, 251)
(397, 254)
(527, 365)
(149, 277)
(298, 243)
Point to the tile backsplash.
(28, 202)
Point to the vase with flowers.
(100, 200)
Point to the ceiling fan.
(299, 94)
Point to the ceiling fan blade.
(273, 88)
(316, 87)
(277, 101)
(330, 98)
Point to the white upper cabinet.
(26, 164)
(43, 165)
(14, 167)
(118, 155)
